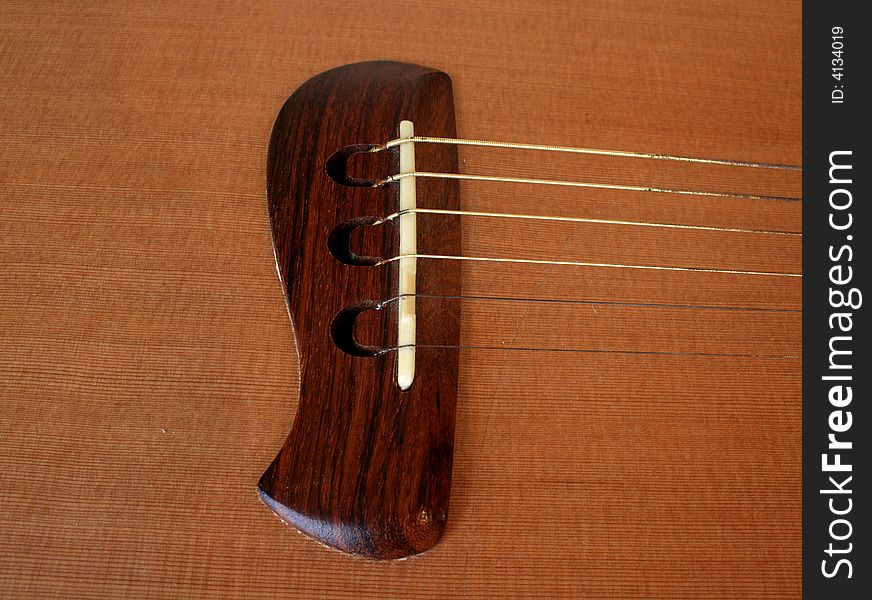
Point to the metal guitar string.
(582, 150)
(572, 301)
(590, 151)
(597, 351)
(572, 263)
(413, 174)
(582, 184)
(475, 213)
(385, 303)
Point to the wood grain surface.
(367, 466)
(148, 375)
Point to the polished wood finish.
(367, 467)
(148, 374)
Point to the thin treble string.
(583, 184)
(388, 301)
(474, 213)
(658, 305)
(597, 351)
(582, 150)
(571, 263)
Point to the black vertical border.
(829, 127)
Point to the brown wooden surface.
(148, 374)
(367, 466)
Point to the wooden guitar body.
(615, 433)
